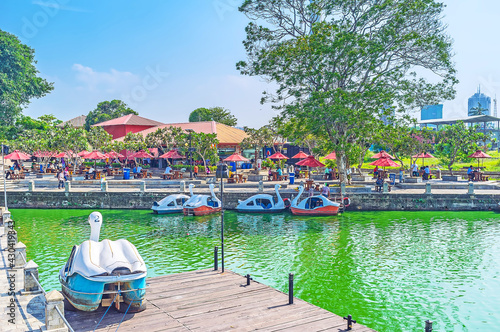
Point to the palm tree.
(478, 110)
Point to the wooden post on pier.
(53, 321)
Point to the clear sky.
(166, 58)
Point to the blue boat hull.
(86, 295)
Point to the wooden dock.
(207, 300)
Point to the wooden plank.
(207, 300)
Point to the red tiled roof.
(131, 120)
(225, 134)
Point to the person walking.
(195, 171)
(60, 177)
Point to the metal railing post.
(290, 288)
(216, 259)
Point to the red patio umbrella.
(236, 157)
(331, 156)
(300, 155)
(18, 155)
(384, 162)
(278, 155)
(141, 155)
(382, 154)
(94, 155)
(479, 155)
(113, 154)
(82, 154)
(61, 155)
(43, 154)
(172, 154)
(423, 155)
(310, 162)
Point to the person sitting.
(280, 172)
(427, 173)
(91, 172)
(375, 171)
(168, 170)
(327, 173)
(325, 191)
(470, 173)
(379, 183)
(9, 173)
(270, 174)
(297, 172)
(139, 169)
(415, 169)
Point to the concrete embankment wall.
(144, 200)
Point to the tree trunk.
(341, 165)
(256, 155)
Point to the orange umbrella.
(17, 155)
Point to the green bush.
(116, 165)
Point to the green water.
(390, 270)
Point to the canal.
(390, 270)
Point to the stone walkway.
(29, 312)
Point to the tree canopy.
(108, 110)
(217, 114)
(19, 80)
(342, 66)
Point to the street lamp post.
(190, 131)
(4, 149)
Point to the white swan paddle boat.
(317, 205)
(172, 203)
(104, 271)
(264, 203)
(201, 205)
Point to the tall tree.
(164, 139)
(343, 65)
(98, 138)
(455, 142)
(107, 110)
(19, 80)
(204, 145)
(217, 114)
(257, 139)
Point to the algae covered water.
(390, 270)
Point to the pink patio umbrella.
(18, 155)
(310, 162)
(94, 155)
(382, 154)
(331, 156)
(236, 157)
(479, 155)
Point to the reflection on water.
(390, 270)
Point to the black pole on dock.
(222, 218)
(216, 259)
(428, 326)
(290, 288)
(350, 321)
(248, 279)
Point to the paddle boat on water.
(201, 205)
(317, 205)
(264, 203)
(104, 272)
(172, 203)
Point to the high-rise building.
(431, 112)
(479, 104)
